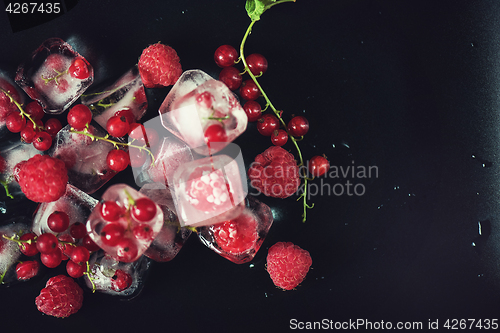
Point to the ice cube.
(55, 75)
(14, 151)
(116, 278)
(200, 110)
(172, 236)
(239, 239)
(127, 93)
(209, 190)
(131, 235)
(9, 250)
(168, 157)
(76, 203)
(85, 158)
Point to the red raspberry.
(287, 264)
(159, 66)
(275, 173)
(237, 235)
(61, 297)
(43, 178)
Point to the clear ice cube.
(76, 203)
(197, 102)
(135, 236)
(9, 250)
(127, 93)
(172, 236)
(47, 78)
(14, 151)
(239, 239)
(209, 190)
(85, 158)
(105, 271)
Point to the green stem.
(6, 187)
(276, 112)
(23, 113)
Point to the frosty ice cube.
(76, 203)
(209, 190)
(172, 236)
(125, 234)
(125, 95)
(9, 250)
(85, 158)
(200, 110)
(168, 157)
(14, 151)
(116, 278)
(55, 75)
(239, 239)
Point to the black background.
(411, 87)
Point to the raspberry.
(287, 264)
(275, 173)
(238, 235)
(61, 297)
(43, 178)
(159, 66)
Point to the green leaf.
(254, 9)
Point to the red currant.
(144, 210)
(117, 126)
(75, 270)
(143, 231)
(231, 77)
(53, 126)
(15, 122)
(111, 211)
(318, 166)
(79, 116)
(52, 259)
(267, 124)
(27, 269)
(253, 110)
(42, 141)
(35, 110)
(117, 160)
(257, 63)
(79, 69)
(225, 56)
(137, 157)
(89, 244)
(249, 90)
(120, 280)
(279, 137)
(112, 234)
(58, 221)
(128, 114)
(27, 248)
(80, 255)
(77, 230)
(215, 133)
(146, 136)
(298, 126)
(126, 250)
(47, 243)
(205, 99)
(28, 134)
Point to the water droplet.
(484, 163)
(484, 231)
(252, 265)
(3, 207)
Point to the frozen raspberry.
(61, 297)
(287, 264)
(159, 66)
(237, 235)
(43, 178)
(275, 173)
(208, 190)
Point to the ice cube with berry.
(201, 111)
(110, 276)
(55, 75)
(9, 250)
(126, 97)
(239, 239)
(172, 236)
(124, 223)
(209, 190)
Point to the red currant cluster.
(122, 123)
